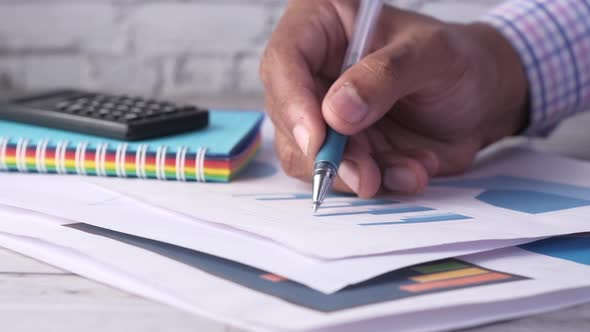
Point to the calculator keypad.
(113, 116)
(119, 108)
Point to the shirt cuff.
(553, 40)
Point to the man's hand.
(422, 103)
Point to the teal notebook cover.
(223, 137)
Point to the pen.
(330, 155)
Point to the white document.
(473, 289)
(513, 194)
(465, 316)
(86, 266)
(81, 202)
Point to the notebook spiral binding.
(102, 160)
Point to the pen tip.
(315, 207)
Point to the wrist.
(508, 89)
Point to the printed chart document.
(513, 194)
(452, 293)
(82, 202)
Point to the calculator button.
(62, 105)
(131, 116)
(74, 108)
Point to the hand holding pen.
(423, 102)
(330, 155)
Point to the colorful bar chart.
(450, 274)
(435, 277)
(455, 282)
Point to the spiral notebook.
(215, 154)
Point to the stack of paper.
(251, 254)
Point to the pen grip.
(333, 148)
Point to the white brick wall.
(153, 47)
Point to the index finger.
(303, 49)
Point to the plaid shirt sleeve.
(553, 40)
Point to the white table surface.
(38, 297)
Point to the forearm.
(552, 38)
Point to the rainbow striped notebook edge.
(216, 154)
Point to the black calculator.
(113, 116)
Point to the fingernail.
(349, 174)
(348, 105)
(301, 137)
(400, 179)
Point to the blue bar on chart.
(290, 196)
(284, 197)
(358, 203)
(520, 194)
(380, 212)
(421, 219)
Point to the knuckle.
(387, 66)
(379, 67)
(441, 40)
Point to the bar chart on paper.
(435, 277)
(346, 209)
(574, 248)
(502, 205)
(520, 194)
(516, 194)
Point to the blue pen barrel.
(333, 148)
(330, 155)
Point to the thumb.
(370, 88)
